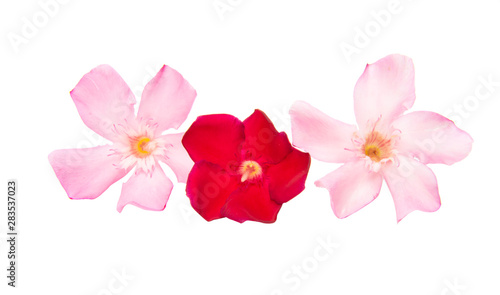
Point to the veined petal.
(413, 186)
(384, 91)
(177, 157)
(325, 138)
(146, 191)
(287, 178)
(263, 141)
(432, 138)
(208, 187)
(166, 99)
(86, 173)
(103, 99)
(215, 138)
(351, 187)
(251, 202)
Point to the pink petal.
(325, 138)
(103, 99)
(351, 187)
(177, 157)
(384, 91)
(413, 187)
(287, 178)
(150, 192)
(166, 99)
(86, 173)
(432, 138)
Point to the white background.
(260, 54)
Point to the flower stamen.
(142, 147)
(250, 170)
(138, 146)
(377, 147)
(373, 152)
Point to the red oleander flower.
(243, 170)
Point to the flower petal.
(251, 202)
(287, 178)
(146, 191)
(413, 186)
(208, 187)
(177, 157)
(166, 99)
(384, 91)
(351, 187)
(432, 138)
(325, 138)
(215, 138)
(86, 173)
(262, 140)
(103, 99)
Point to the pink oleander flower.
(106, 105)
(388, 145)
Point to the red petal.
(251, 202)
(262, 141)
(208, 186)
(287, 178)
(214, 138)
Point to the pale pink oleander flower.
(388, 145)
(106, 105)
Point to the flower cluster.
(248, 170)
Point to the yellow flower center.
(250, 170)
(142, 147)
(377, 147)
(373, 152)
